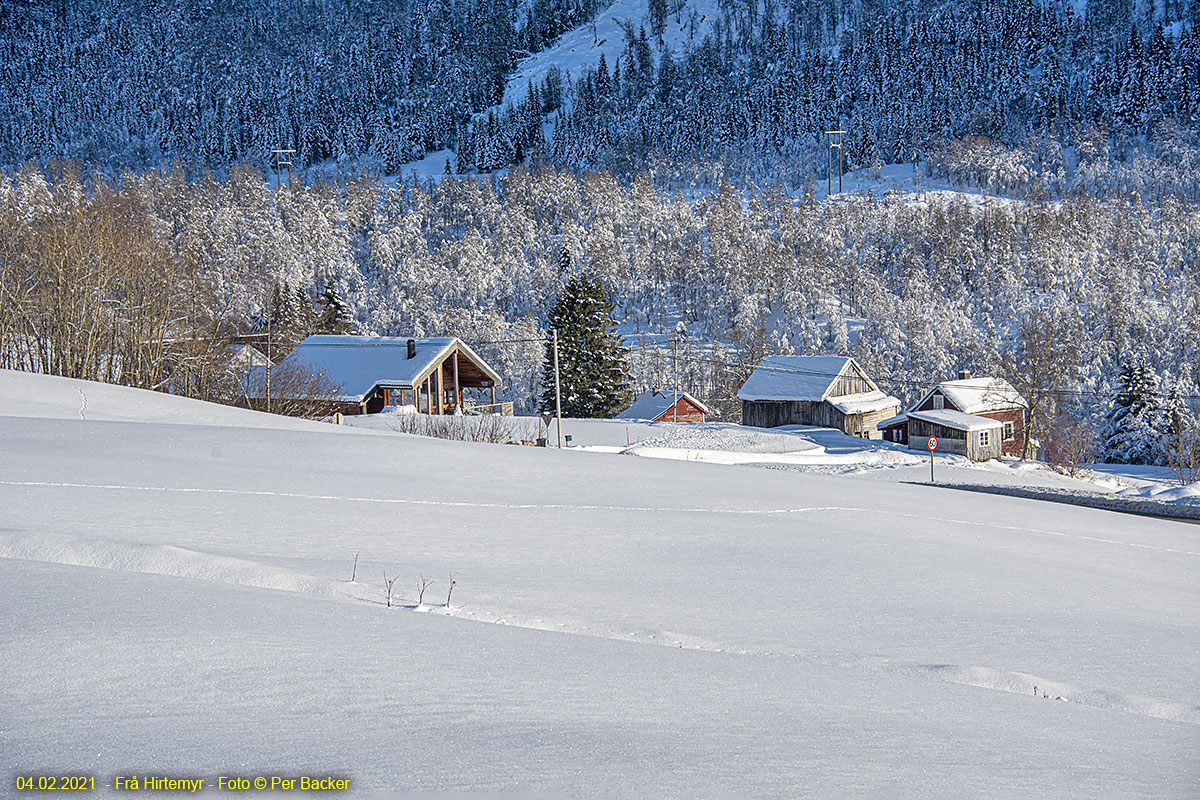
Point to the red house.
(665, 405)
(991, 398)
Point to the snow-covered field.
(176, 578)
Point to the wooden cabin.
(374, 372)
(991, 398)
(977, 438)
(824, 391)
(665, 405)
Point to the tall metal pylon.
(834, 142)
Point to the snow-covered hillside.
(581, 48)
(179, 602)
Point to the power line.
(907, 381)
(890, 379)
(508, 341)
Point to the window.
(983, 438)
(1008, 431)
(939, 402)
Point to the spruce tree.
(291, 317)
(592, 361)
(1137, 422)
(333, 317)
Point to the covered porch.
(442, 388)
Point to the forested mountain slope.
(137, 83)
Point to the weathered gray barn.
(825, 391)
(977, 438)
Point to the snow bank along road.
(179, 599)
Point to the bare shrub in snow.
(388, 586)
(294, 390)
(1070, 445)
(487, 428)
(1183, 447)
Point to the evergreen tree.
(592, 361)
(333, 318)
(291, 317)
(1135, 426)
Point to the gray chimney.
(963, 375)
(412, 348)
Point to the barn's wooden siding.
(773, 413)
(853, 382)
(950, 440)
(865, 424)
(953, 440)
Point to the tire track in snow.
(588, 507)
(415, 502)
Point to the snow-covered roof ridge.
(956, 419)
(804, 378)
(865, 402)
(651, 403)
(354, 340)
(979, 395)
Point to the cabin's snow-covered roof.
(956, 419)
(890, 421)
(864, 403)
(360, 363)
(806, 378)
(980, 395)
(651, 404)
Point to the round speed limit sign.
(932, 443)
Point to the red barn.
(992, 398)
(666, 405)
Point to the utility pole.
(283, 158)
(675, 405)
(268, 361)
(557, 390)
(916, 157)
(832, 144)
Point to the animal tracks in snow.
(184, 563)
(1024, 683)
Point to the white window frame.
(1009, 434)
(939, 402)
(983, 438)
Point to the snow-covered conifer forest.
(138, 83)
